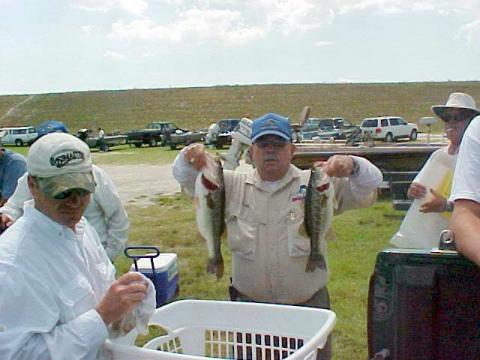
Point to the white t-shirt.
(466, 182)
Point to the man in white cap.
(456, 114)
(58, 294)
(264, 213)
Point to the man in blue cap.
(264, 212)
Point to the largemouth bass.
(318, 215)
(210, 213)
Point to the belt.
(236, 295)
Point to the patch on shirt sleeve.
(300, 195)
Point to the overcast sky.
(75, 45)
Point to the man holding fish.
(270, 211)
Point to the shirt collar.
(255, 180)
(56, 227)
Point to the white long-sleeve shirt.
(105, 211)
(51, 279)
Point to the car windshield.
(326, 124)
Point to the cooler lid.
(161, 262)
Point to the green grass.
(361, 234)
(196, 108)
(123, 155)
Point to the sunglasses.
(277, 144)
(456, 117)
(67, 193)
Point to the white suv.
(389, 128)
(18, 136)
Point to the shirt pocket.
(76, 297)
(298, 245)
(242, 236)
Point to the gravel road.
(136, 184)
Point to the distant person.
(213, 131)
(12, 167)
(105, 211)
(101, 140)
(456, 114)
(465, 222)
(58, 293)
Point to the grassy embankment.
(195, 108)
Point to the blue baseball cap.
(271, 124)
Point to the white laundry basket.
(231, 330)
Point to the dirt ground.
(137, 184)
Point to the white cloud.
(87, 29)
(114, 55)
(471, 31)
(93, 5)
(237, 22)
(135, 7)
(323, 43)
(192, 26)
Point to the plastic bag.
(419, 230)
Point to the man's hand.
(122, 297)
(337, 165)
(196, 155)
(416, 191)
(436, 204)
(5, 221)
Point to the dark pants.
(321, 299)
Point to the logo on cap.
(64, 158)
(269, 123)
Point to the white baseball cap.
(60, 162)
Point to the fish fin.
(316, 261)
(331, 234)
(215, 267)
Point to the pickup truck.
(155, 133)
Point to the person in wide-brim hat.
(458, 105)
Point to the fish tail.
(316, 261)
(215, 267)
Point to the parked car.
(343, 127)
(219, 133)
(155, 133)
(389, 128)
(18, 136)
(315, 128)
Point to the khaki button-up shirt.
(265, 228)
